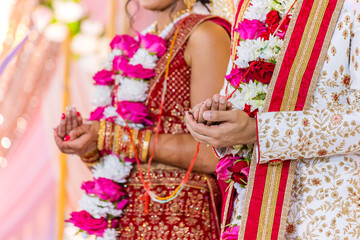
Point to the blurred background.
(49, 51)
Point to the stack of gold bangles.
(91, 158)
(115, 138)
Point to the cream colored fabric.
(325, 202)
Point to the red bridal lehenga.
(194, 214)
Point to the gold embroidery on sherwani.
(303, 55)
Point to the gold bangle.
(117, 139)
(145, 146)
(101, 134)
(91, 157)
(108, 135)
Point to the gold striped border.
(269, 201)
(322, 56)
(303, 55)
(280, 58)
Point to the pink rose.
(121, 64)
(122, 204)
(222, 171)
(86, 222)
(97, 114)
(104, 77)
(138, 71)
(231, 233)
(250, 29)
(104, 188)
(153, 43)
(236, 75)
(135, 112)
(127, 44)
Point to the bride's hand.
(217, 103)
(82, 139)
(72, 119)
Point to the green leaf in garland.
(260, 96)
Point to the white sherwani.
(325, 141)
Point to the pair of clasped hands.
(212, 122)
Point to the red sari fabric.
(194, 213)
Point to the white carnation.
(112, 168)
(102, 96)
(257, 10)
(248, 51)
(143, 57)
(110, 112)
(248, 92)
(98, 208)
(273, 49)
(132, 90)
(109, 234)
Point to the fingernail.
(207, 115)
(67, 110)
(222, 100)
(78, 114)
(208, 103)
(216, 99)
(63, 116)
(67, 138)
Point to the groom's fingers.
(220, 116)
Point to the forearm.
(178, 150)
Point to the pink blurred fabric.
(28, 185)
(27, 190)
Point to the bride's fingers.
(68, 120)
(222, 103)
(205, 107)
(61, 128)
(79, 118)
(74, 118)
(229, 106)
(214, 106)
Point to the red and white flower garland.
(257, 38)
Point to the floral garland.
(260, 42)
(120, 90)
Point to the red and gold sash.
(296, 74)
